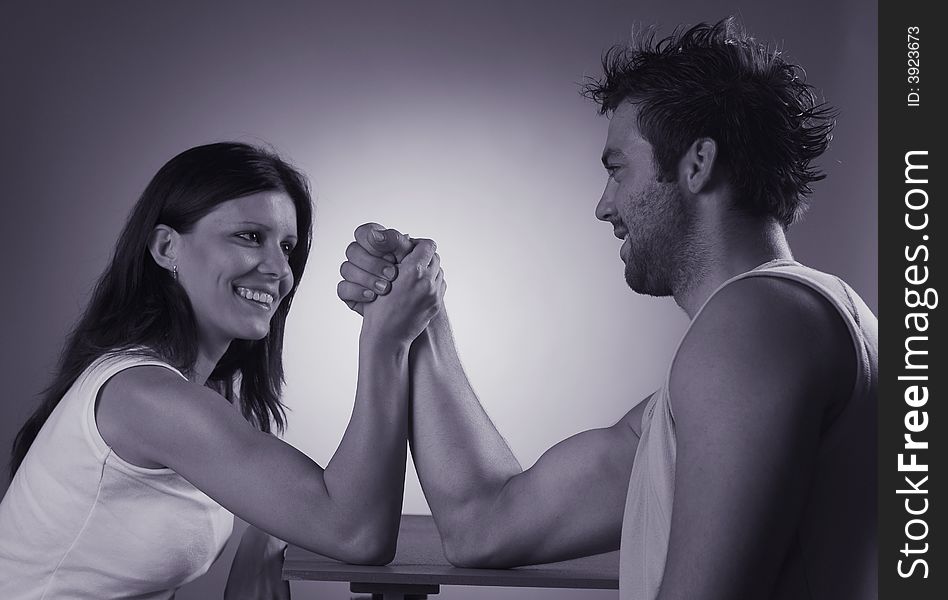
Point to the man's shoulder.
(758, 307)
(764, 333)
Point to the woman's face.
(233, 267)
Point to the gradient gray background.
(459, 122)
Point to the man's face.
(646, 214)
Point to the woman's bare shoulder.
(141, 397)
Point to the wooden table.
(420, 569)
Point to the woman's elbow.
(372, 556)
(370, 547)
(364, 543)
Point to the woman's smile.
(259, 298)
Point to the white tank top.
(847, 445)
(79, 522)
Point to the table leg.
(390, 596)
(394, 591)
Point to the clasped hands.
(385, 262)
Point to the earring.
(174, 272)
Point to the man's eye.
(250, 236)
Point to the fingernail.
(389, 272)
(378, 236)
(368, 294)
(380, 286)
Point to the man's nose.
(605, 210)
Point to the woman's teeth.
(255, 295)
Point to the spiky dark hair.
(716, 81)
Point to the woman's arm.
(350, 510)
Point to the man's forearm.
(490, 512)
(462, 460)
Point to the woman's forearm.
(365, 478)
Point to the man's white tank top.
(79, 522)
(834, 553)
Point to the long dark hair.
(137, 305)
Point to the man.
(751, 472)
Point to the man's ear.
(163, 246)
(697, 165)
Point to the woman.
(157, 425)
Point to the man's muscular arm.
(489, 512)
(750, 389)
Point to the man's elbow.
(479, 535)
(477, 550)
(465, 555)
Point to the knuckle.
(387, 271)
(366, 227)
